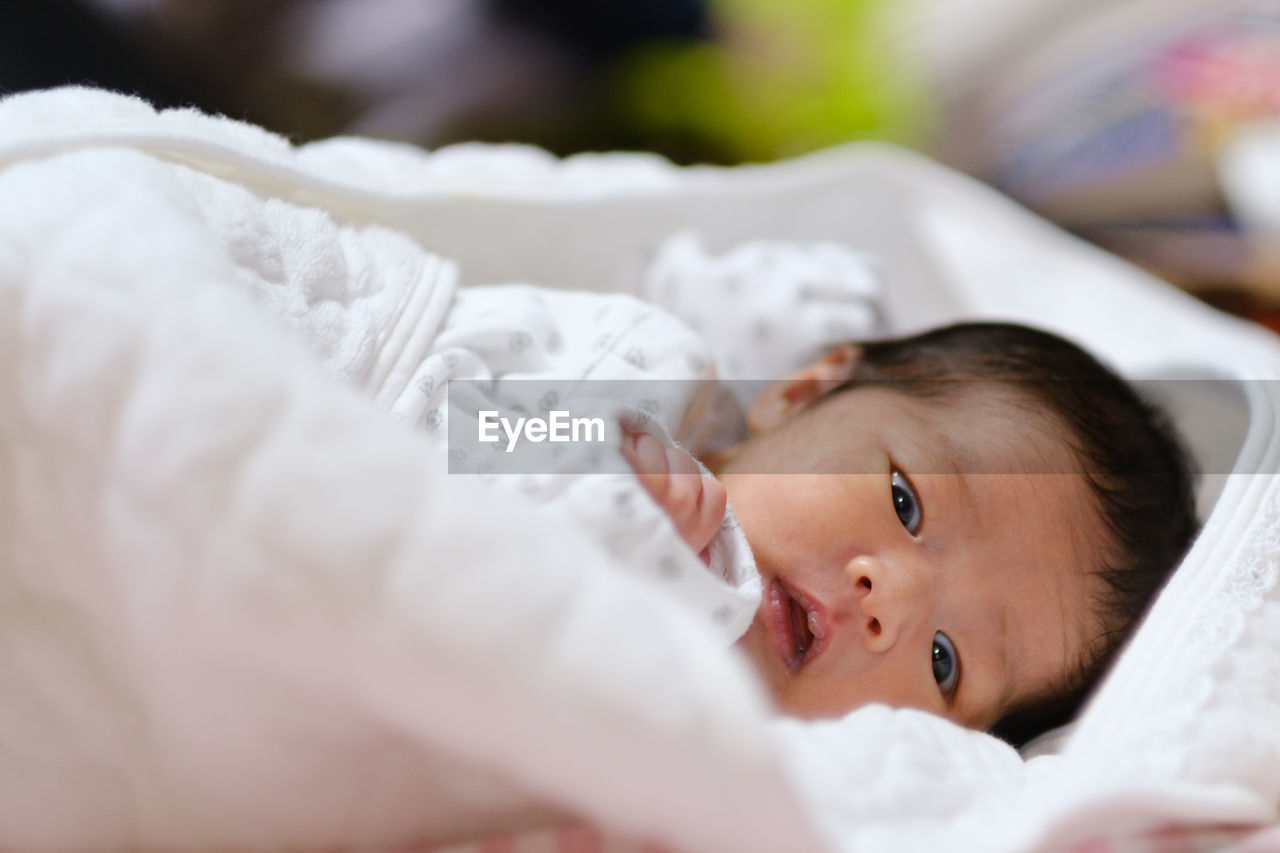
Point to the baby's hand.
(695, 502)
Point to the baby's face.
(926, 553)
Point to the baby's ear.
(780, 400)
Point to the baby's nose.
(881, 610)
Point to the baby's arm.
(695, 502)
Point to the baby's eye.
(905, 502)
(946, 666)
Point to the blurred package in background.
(1146, 126)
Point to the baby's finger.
(696, 505)
(680, 462)
(648, 459)
(713, 502)
(684, 488)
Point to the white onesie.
(526, 351)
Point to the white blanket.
(245, 610)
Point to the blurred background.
(1150, 127)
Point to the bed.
(235, 611)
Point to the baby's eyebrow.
(952, 459)
(1006, 660)
(967, 499)
(952, 456)
(999, 689)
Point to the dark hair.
(1135, 464)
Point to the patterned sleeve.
(517, 352)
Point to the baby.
(968, 521)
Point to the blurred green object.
(776, 80)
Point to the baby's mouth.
(794, 623)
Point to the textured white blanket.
(244, 610)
